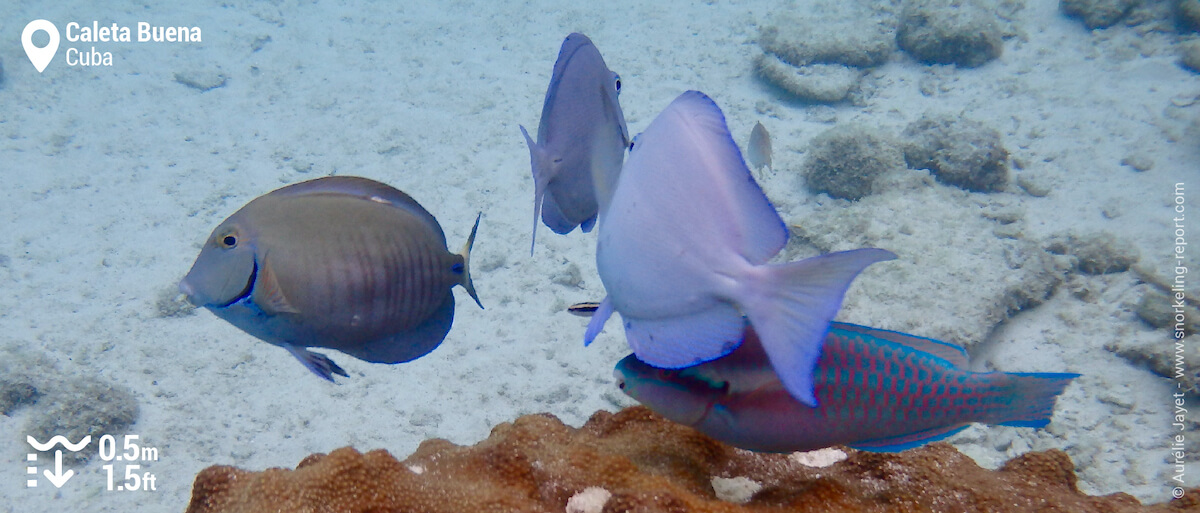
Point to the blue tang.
(339, 262)
(878, 390)
(581, 140)
(683, 253)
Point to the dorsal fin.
(363, 188)
(956, 355)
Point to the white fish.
(758, 152)
(683, 251)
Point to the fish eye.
(229, 241)
(617, 82)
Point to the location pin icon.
(40, 57)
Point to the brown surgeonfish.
(339, 262)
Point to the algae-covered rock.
(1096, 253)
(1158, 309)
(1189, 55)
(854, 42)
(821, 56)
(1098, 13)
(845, 161)
(816, 83)
(961, 32)
(1188, 13)
(1160, 358)
(958, 152)
(15, 394)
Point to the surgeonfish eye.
(617, 82)
(229, 241)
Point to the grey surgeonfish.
(758, 152)
(338, 262)
(684, 252)
(581, 140)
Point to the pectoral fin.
(267, 293)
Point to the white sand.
(112, 177)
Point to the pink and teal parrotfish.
(684, 252)
(581, 142)
(877, 390)
(339, 262)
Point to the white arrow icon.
(40, 57)
(58, 477)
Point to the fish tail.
(541, 179)
(466, 256)
(791, 305)
(1032, 397)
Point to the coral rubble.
(636, 461)
(820, 57)
(845, 161)
(1189, 55)
(961, 32)
(14, 394)
(1095, 253)
(958, 151)
(1098, 13)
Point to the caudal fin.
(466, 256)
(1033, 396)
(792, 305)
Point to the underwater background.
(114, 175)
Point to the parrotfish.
(581, 140)
(339, 262)
(683, 251)
(758, 152)
(878, 390)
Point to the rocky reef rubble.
(636, 461)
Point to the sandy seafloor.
(113, 176)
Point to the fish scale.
(912, 382)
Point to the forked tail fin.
(791, 306)
(466, 256)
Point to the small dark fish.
(758, 152)
(338, 262)
(584, 309)
(877, 390)
(581, 140)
